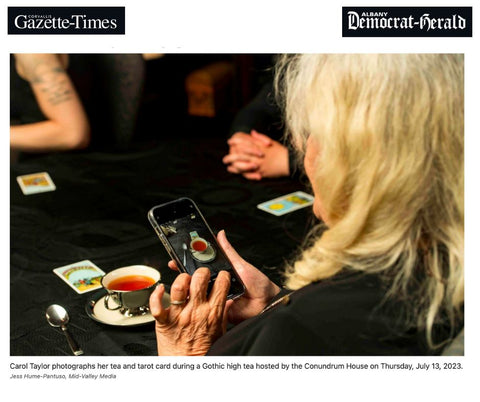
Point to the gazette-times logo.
(407, 21)
(66, 20)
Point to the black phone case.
(171, 252)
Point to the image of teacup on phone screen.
(202, 250)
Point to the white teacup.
(130, 289)
(199, 245)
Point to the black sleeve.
(268, 335)
(261, 114)
(284, 335)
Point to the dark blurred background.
(198, 94)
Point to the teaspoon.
(184, 246)
(57, 316)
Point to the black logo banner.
(407, 21)
(66, 20)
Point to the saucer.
(95, 308)
(208, 255)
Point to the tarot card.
(82, 276)
(287, 203)
(36, 183)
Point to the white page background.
(213, 26)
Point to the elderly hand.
(190, 328)
(259, 289)
(256, 156)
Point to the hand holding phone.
(176, 323)
(190, 242)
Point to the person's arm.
(66, 126)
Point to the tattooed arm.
(66, 125)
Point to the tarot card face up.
(36, 183)
(287, 203)
(82, 276)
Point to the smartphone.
(190, 242)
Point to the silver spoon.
(184, 246)
(57, 316)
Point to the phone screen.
(191, 240)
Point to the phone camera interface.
(194, 244)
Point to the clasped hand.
(256, 156)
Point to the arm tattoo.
(52, 82)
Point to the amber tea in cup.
(131, 282)
(129, 289)
(199, 245)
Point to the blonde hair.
(390, 171)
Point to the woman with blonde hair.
(381, 137)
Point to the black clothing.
(340, 316)
(261, 114)
(265, 116)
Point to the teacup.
(199, 245)
(129, 288)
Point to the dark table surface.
(99, 213)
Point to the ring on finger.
(178, 302)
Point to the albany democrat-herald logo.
(407, 21)
(66, 20)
